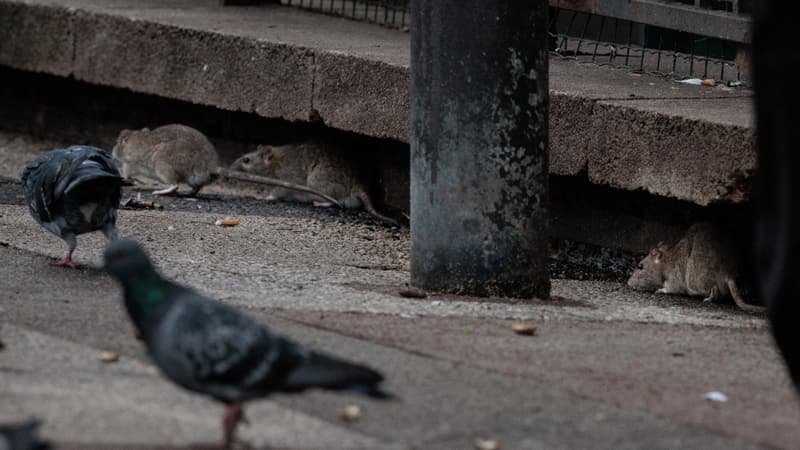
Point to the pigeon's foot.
(234, 413)
(66, 262)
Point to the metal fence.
(722, 19)
(639, 47)
(390, 13)
(677, 38)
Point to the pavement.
(608, 368)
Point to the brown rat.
(315, 164)
(171, 154)
(176, 154)
(702, 263)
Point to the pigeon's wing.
(41, 181)
(209, 347)
(50, 176)
(89, 163)
(327, 372)
(95, 166)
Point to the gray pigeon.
(21, 436)
(73, 191)
(208, 347)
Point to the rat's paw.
(712, 296)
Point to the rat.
(171, 154)
(315, 164)
(702, 263)
(176, 154)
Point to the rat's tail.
(367, 202)
(737, 298)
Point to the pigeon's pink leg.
(66, 262)
(234, 413)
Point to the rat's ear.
(124, 135)
(265, 152)
(657, 252)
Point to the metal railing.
(389, 13)
(678, 38)
(722, 19)
(639, 47)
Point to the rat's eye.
(246, 160)
(640, 266)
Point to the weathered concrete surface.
(677, 153)
(610, 368)
(258, 60)
(587, 380)
(279, 62)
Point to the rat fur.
(315, 164)
(702, 263)
(171, 154)
(176, 154)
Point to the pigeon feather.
(21, 436)
(73, 191)
(209, 347)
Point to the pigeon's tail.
(91, 170)
(22, 436)
(321, 371)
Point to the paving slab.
(83, 400)
(665, 370)
(60, 329)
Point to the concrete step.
(624, 130)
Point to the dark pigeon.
(21, 436)
(73, 191)
(208, 347)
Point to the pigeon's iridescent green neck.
(148, 292)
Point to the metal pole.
(776, 60)
(479, 165)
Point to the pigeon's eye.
(118, 254)
(640, 266)
(246, 160)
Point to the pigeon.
(73, 191)
(211, 348)
(21, 436)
